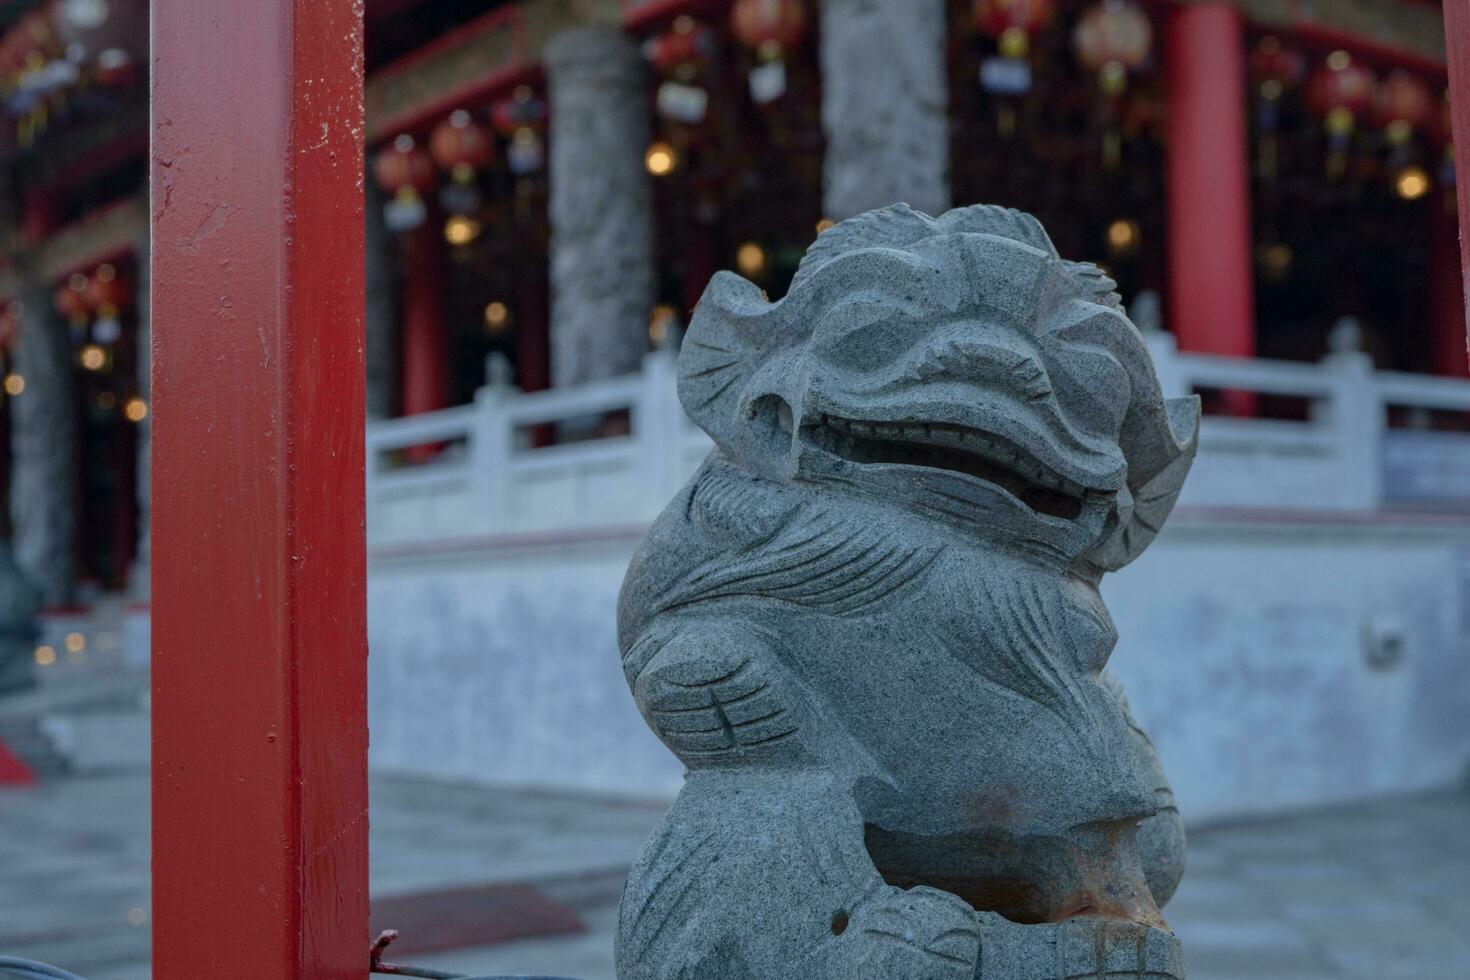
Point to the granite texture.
(20, 608)
(601, 207)
(885, 105)
(43, 448)
(870, 625)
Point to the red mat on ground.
(14, 772)
(457, 918)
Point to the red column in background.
(1447, 299)
(38, 215)
(425, 325)
(1211, 291)
(259, 671)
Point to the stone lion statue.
(870, 624)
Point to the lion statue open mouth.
(870, 624)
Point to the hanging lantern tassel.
(405, 171)
(1112, 39)
(1274, 69)
(680, 55)
(1007, 74)
(462, 147)
(770, 28)
(71, 302)
(106, 294)
(1340, 91)
(521, 119)
(1401, 106)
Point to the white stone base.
(1243, 651)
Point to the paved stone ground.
(1369, 891)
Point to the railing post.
(492, 440)
(1165, 351)
(656, 424)
(1356, 416)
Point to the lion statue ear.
(741, 375)
(1164, 435)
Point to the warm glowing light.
(823, 225)
(1123, 236)
(93, 358)
(75, 642)
(136, 410)
(45, 655)
(106, 273)
(461, 229)
(78, 281)
(1271, 89)
(497, 315)
(1412, 183)
(14, 384)
(659, 320)
(106, 401)
(1339, 60)
(661, 159)
(1275, 261)
(750, 259)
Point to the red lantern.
(523, 110)
(107, 292)
(404, 166)
(1276, 68)
(681, 51)
(768, 27)
(460, 145)
(1403, 104)
(521, 118)
(71, 301)
(1113, 38)
(1340, 91)
(1012, 22)
(404, 170)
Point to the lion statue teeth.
(870, 625)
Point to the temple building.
(552, 183)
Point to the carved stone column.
(885, 103)
(601, 204)
(43, 450)
(381, 313)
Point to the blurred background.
(551, 184)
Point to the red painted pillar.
(259, 646)
(38, 215)
(1447, 299)
(1211, 293)
(425, 328)
(1457, 46)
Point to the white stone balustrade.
(487, 480)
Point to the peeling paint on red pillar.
(259, 649)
